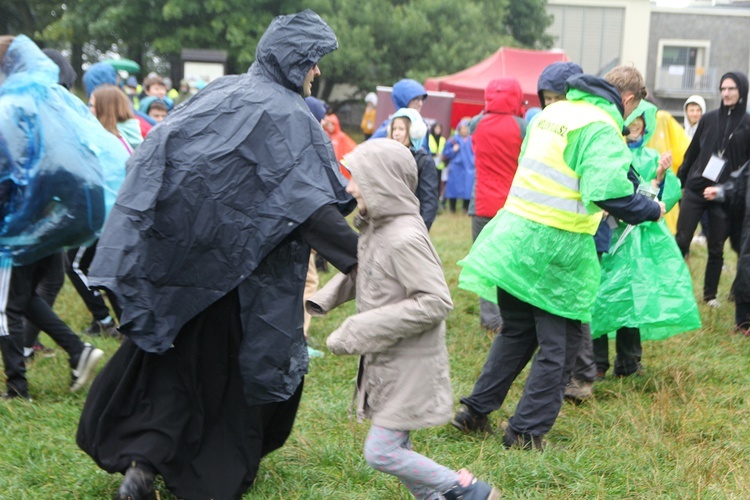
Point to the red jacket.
(497, 144)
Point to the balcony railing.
(687, 79)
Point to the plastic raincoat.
(550, 268)
(670, 137)
(211, 202)
(59, 168)
(645, 282)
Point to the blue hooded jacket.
(553, 78)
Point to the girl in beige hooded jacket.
(399, 329)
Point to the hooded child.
(399, 329)
(646, 292)
(408, 128)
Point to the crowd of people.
(197, 224)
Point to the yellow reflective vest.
(545, 189)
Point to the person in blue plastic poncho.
(646, 290)
(207, 250)
(57, 177)
(461, 169)
(537, 257)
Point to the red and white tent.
(468, 85)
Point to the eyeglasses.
(727, 89)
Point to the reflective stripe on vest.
(545, 189)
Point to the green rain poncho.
(645, 282)
(555, 270)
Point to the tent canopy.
(469, 84)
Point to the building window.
(683, 67)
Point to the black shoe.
(104, 328)
(511, 439)
(7, 396)
(467, 420)
(477, 490)
(137, 485)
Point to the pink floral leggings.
(390, 451)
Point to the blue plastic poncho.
(645, 282)
(59, 168)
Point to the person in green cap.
(537, 257)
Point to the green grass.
(681, 431)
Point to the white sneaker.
(699, 240)
(713, 303)
(84, 371)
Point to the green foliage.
(680, 431)
(380, 41)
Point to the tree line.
(380, 41)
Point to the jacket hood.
(145, 103)
(417, 126)
(334, 120)
(99, 74)
(67, 77)
(291, 46)
(386, 173)
(598, 92)
(648, 112)
(405, 90)
(24, 63)
(742, 85)
(504, 96)
(554, 76)
(317, 108)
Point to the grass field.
(680, 431)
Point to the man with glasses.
(720, 146)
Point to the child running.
(403, 300)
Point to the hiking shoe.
(84, 370)
(467, 420)
(138, 484)
(579, 390)
(104, 328)
(476, 490)
(713, 303)
(600, 375)
(511, 439)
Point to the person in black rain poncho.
(207, 250)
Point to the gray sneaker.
(84, 370)
(579, 390)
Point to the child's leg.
(628, 345)
(742, 316)
(389, 451)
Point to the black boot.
(138, 484)
(477, 490)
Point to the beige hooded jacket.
(402, 298)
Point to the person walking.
(207, 250)
(403, 382)
(538, 257)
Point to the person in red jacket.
(497, 143)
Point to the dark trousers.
(79, 261)
(489, 312)
(692, 207)
(50, 283)
(742, 314)
(452, 204)
(21, 300)
(526, 328)
(585, 365)
(627, 347)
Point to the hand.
(710, 193)
(665, 163)
(456, 147)
(663, 208)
